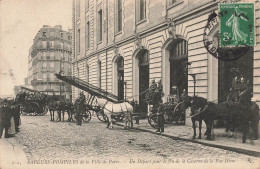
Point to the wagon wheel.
(86, 117)
(101, 116)
(153, 120)
(45, 110)
(179, 114)
(35, 108)
(168, 116)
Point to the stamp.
(236, 24)
(212, 37)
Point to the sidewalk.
(219, 140)
(12, 155)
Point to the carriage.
(93, 93)
(31, 106)
(173, 110)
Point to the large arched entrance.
(120, 78)
(174, 63)
(141, 78)
(178, 62)
(244, 65)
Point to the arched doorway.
(244, 65)
(120, 78)
(143, 63)
(174, 63)
(178, 63)
(141, 78)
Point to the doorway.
(244, 65)
(178, 63)
(120, 78)
(143, 60)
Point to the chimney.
(58, 27)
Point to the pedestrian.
(16, 115)
(5, 119)
(160, 119)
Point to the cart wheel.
(101, 116)
(86, 117)
(153, 120)
(179, 114)
(35, 109)
(45, 110)
(168, 116)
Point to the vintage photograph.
(131, 84)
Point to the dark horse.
(196, 104)
(61, 105)
(231, 113)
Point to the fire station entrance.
(120, 76)
(245, 67)
(178, 63)
(143, 63)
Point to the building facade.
(50, 54)
(121, 45)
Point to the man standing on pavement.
(5, 112)
(81, 107)
(160, 119)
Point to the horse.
(195, 103)
(230, 112)
(116, 109)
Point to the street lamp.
(193, 75)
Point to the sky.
(20, 20)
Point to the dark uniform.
(16, 114)
(160, 91)
(5, 116)
(161, 120)
(151, 93)
(82, 100)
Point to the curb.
(235, 149)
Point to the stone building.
(121, 45)
(49, 54)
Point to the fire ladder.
(91, 89)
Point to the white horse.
(116, 109)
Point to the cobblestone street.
(56, 142)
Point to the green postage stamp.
(237, 24)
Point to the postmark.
(212, 37)
(236, 24)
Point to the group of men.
(155, 93)
(9, 118)
(154, 97)
(240, 92)
(31, 96)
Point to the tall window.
(100, 25)
(140, 9)
(77, 9)
(86, 4)
(87, 35)
(119, 16)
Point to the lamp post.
(193, 75)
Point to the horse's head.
(187, 102)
